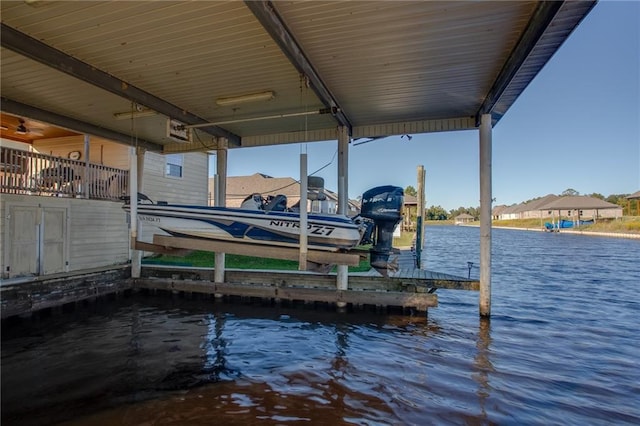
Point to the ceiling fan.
(22, 129)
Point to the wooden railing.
(30, 173)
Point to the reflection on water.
(561, 348)
(483, 366)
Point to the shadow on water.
(172, 360)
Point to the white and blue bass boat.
(270, 223)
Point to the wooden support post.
(220, 201)
(485, 215)
(342, 279)
(140, 152)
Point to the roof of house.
(241, 186)
(497, 210)
(634, 196)
(464, 216)
(411, 200)
(578, 202)
(510, 209)
(536, 204)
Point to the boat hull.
(567, 224)
(324, 232)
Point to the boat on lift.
(566, 224)
(268, 222)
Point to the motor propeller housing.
(383, 205)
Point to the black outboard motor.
(383, 205)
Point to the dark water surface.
(562, 347)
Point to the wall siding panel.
(98, 230)
(190, 189)
(99, 235)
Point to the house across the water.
(556, 206)
(463, 218)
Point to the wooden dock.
(408, 287)
(27, 295)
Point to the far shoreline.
(564, 231)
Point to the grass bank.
(625, 225)
(206, 259)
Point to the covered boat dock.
(216, 76)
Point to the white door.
(53, 232)
(23, 241)
(37, 240)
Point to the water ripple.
(560, 349)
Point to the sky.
(576, 126)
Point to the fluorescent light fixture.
(146, 112)
(251, 97)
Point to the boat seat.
(276, 203)
(252, 202)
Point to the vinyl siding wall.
(97, 232)
(191, 188)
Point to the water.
(561, 348)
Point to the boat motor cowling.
(383, 205)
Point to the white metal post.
(485, 215)
(220, 201)
(420, 217)
(342, 279)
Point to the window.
(174, 165)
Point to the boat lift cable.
(269, 117)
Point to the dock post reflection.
(215, 347)
(483, 366)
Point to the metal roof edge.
(513, 79)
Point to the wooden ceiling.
(10, 128)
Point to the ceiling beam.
(542, 17)
(17, 108)
(269, 18)
(25, 45)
